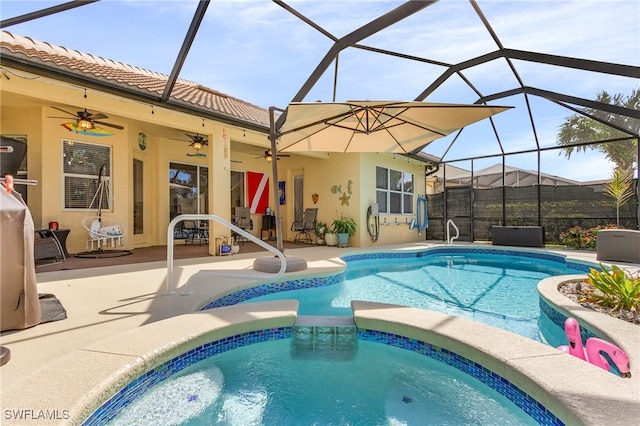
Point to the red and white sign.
(258, 187)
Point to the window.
(138, 197)
(237, 189)
(394, 191)
(81, 165)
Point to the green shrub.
(616, 289)
(580, 238)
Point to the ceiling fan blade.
(66, 112)
(62, 118)
(198, 138)
(99, 116)
(102, 123)
(284, 155)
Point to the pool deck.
(106, 305)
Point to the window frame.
(243, 182)
(89, 177)
(390, 190)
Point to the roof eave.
(123, 90)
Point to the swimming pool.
(495, 287)
(336, 380)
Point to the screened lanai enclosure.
(569, 69)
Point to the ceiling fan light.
(85, 124)
(268, 158)
(197, 145)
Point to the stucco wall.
(344, 183)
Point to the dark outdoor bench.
(523, 236)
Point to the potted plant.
(344, 228)
(320, 230)
(330, 238)
(235, 247)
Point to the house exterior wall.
(390, 232)
(345, 183)
(26, 110)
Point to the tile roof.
(127, 77)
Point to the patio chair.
(47, 249)
(242, 219)
(306, 225)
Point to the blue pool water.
(358, 383)
(495, 289)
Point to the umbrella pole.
(274, 176)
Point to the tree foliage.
(579, 128)
(620, 188)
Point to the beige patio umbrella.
(366, 126)
(374, 126)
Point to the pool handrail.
(449, 238)
(250, 237)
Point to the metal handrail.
(449, 238)
(251, 237)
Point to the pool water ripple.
(496, 289)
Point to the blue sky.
(257, 51)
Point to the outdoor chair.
(196, 230)
(47, 249)
(242, 219)
(305, 226)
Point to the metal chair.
(197, 230)
(47, 248)
(306, 225)
(242, 219)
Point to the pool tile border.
(275, 287)
(558, 318)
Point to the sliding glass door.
(188, 192)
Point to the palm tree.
(580, 129)
(620, 188)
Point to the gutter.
(124, 91)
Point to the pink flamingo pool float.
(592, 351)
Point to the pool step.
(318, 337)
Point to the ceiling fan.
(86, 121)
(268, 157)
(197, 143)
